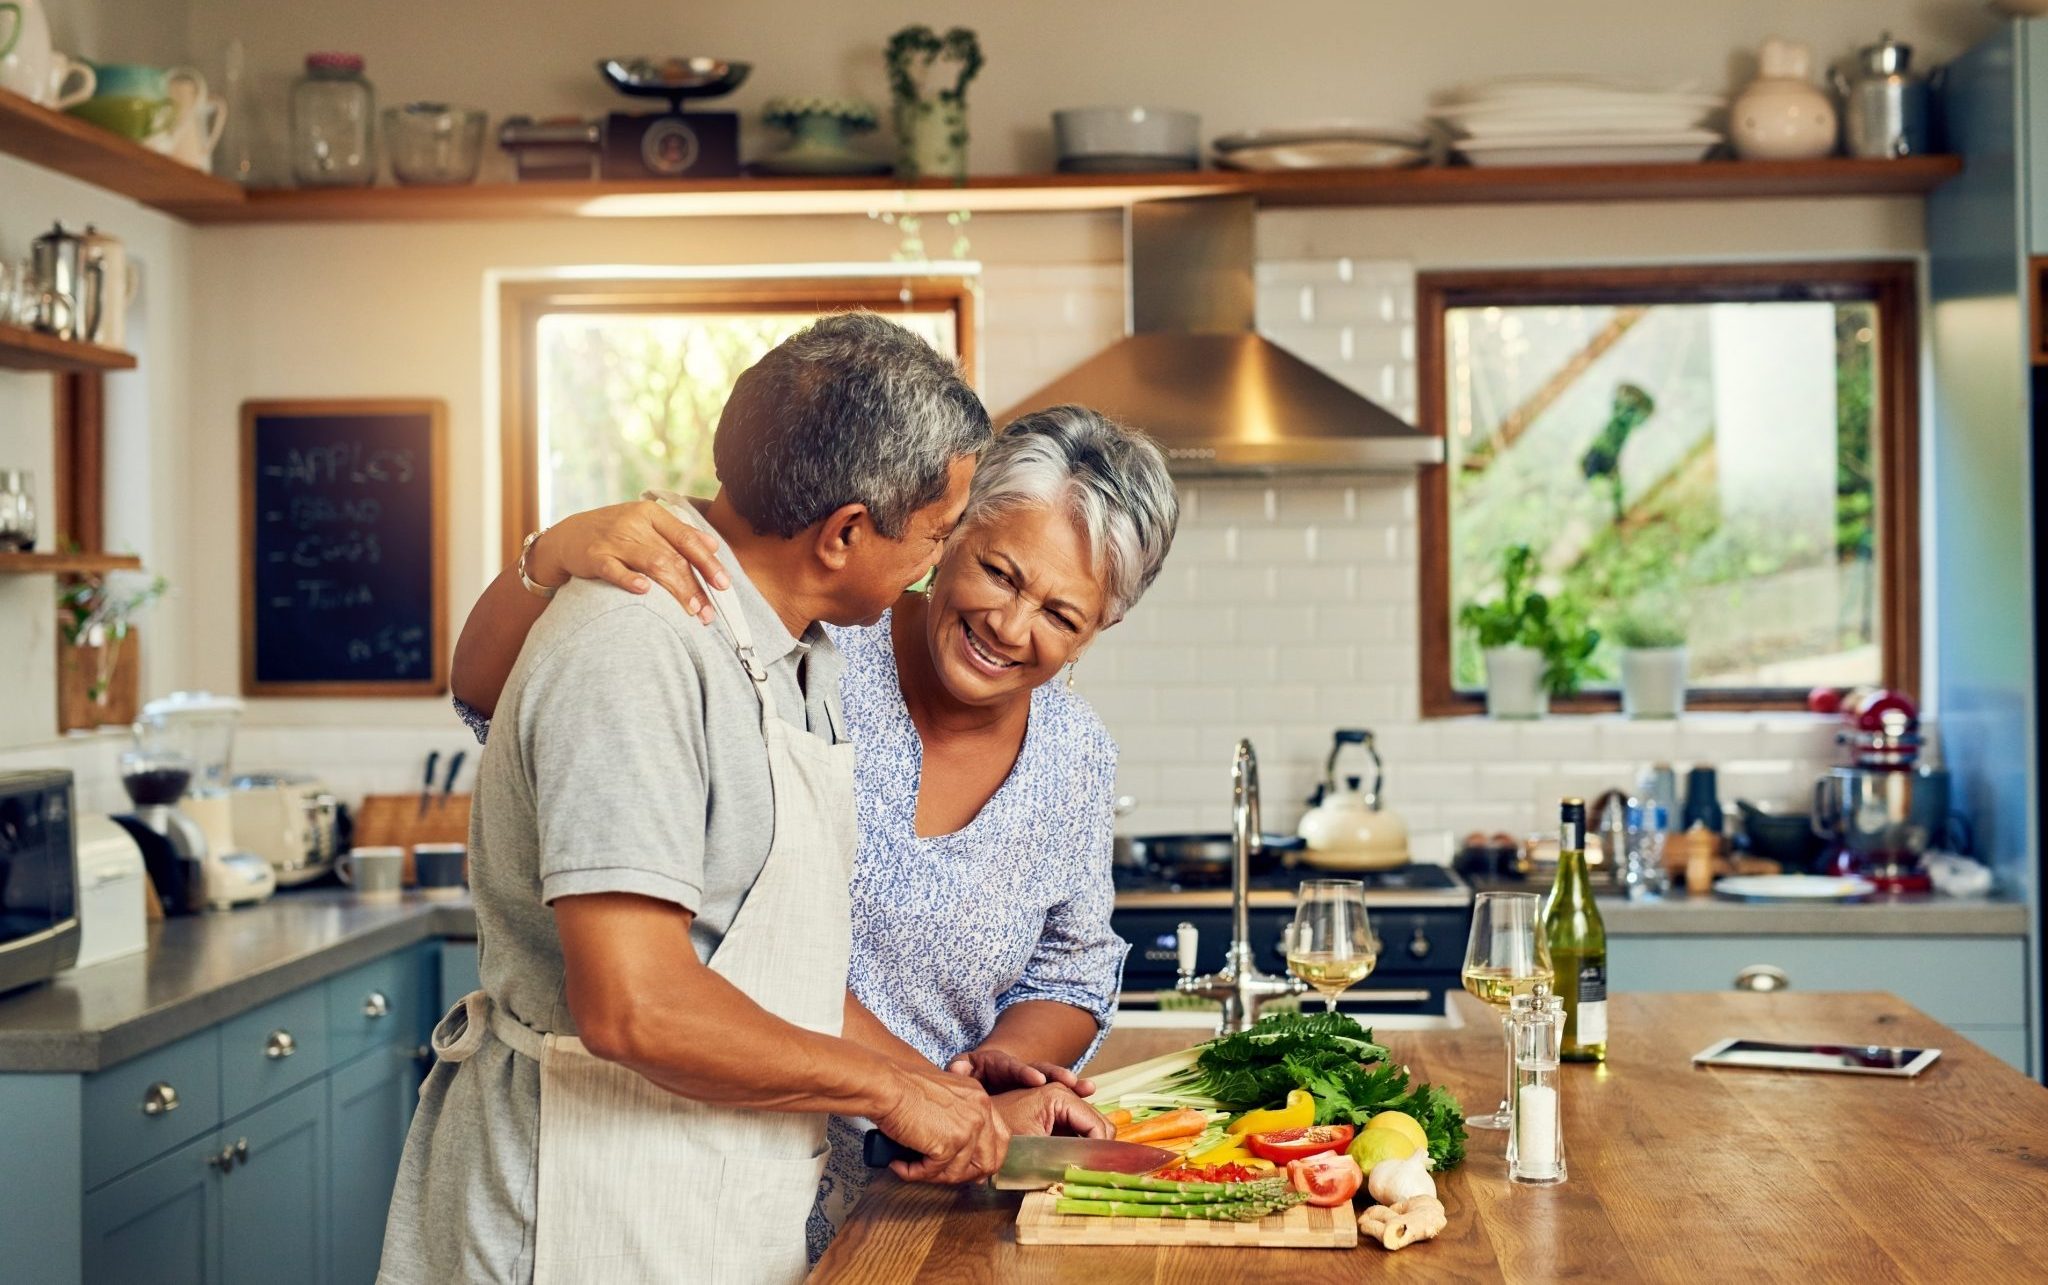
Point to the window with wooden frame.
(611, 387)
(1725, 456)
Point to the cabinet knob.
(375, 1005)
(241, 1150)
(159, 1098)
(1418, 945)
(280, 1045)
(230, 1155)
(1762, 978)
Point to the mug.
(129, 116)
(68, 71)
(375, 873)
(440, 868)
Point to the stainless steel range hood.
(1218, 398)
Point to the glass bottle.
(1536, 1118)
(1578, 942)
(333, 113)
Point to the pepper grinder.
(1535, 1120)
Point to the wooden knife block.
(395, 821)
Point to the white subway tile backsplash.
(1227, 503)
(1318, 504)
(1275, 545)
(1241, 584)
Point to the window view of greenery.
(1696, 473)
(628, 401)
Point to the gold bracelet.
(527, 581)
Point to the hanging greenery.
(918, 58)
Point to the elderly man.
(660, 850)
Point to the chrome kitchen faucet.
(1240, 986)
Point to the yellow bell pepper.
(1299, 1113)
(1224, 1151)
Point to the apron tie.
(460, 1032)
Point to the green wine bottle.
(1578, 942)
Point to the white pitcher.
(30, 67)
(198, 115)
(108, 283)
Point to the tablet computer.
(1850, 1059)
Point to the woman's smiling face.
(1015, 597)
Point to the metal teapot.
(1346, 828)
(1885, 105)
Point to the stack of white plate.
(1579, 120)
(1324, 145)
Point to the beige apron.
(638, 1184)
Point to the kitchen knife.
(427, 781)
(1036, 1162)
(454, 770)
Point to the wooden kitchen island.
(1676, 1173)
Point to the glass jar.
(333, 113)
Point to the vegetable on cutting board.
(1116, 1195)
(1299, 1113)
(1327, 1179)
(1298, 1144)
(1184, 1123)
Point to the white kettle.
(1346, 828)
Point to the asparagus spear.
(1079, 1191)
(1221, 1211)
(1139, 1182)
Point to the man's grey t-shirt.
(625, 756)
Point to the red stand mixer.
(1884, 808)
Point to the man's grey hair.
(852, 409)
(1110, 479)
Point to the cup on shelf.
(129, 99)
(377, 874)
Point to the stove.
(1422, 915)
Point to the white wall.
(1240, 65)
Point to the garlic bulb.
(1393, 1181)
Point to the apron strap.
(461, 1031)
(724, 602)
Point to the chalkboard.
(344, 548)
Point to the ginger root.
(1401, 1225)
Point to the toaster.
(289, 820)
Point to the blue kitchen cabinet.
(262, 1149)
(370, 1102)
(160, 1223)
(273, 1206)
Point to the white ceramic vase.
(1782, 115)
(1514, 683)
(1653, 682)
(931, 140)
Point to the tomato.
(1208, 1173)
(1295, 1144)
(1327, 1180)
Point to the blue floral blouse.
(951, 930)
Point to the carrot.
(1174, 1124)
(1118, 1118)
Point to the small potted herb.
(1535, 646)
(1651, 635)
(96, 614)
(931, 115)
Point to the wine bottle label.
(1592, 1025)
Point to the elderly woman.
(984, 789)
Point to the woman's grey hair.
(852, 409)
(1111, 479)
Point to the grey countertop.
(204, 969)
(1713, 916)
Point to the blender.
(199, 727)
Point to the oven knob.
(1418, 945)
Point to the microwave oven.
(38, 878)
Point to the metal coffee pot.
(1885, 106)
(56, 262)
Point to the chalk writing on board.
(343, 543)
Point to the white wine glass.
(1506, 956)
(1331, 944)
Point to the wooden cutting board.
(1302, 1227)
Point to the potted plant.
(931, 116)
(96, 616)
(1651, 635)
(1535, 646)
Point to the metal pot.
(1202, 857)
(1884, 105)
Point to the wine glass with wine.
(1507, 956)
(1331, 944)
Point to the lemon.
(1401, 1123)
(1375, 1145)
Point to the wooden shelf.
(23, 349)
(66, 564)
(749, 197)
(70, 146)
